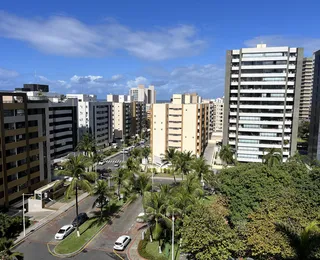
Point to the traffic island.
(73, 245)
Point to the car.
(82, 217)
(121, 243)
(116, 165)
(63, 232)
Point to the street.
(35, 246)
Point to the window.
(248, 141)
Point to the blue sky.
(103, 47)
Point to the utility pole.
(173, 236)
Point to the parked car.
(116, 165)
(82, 217)
(101, 163)
(63, 232)
(141, 218)
(121, 243)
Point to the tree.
(303, 129)
(169, 155)
(87, 145)
(141, 185)
(201, 168)
(182, 161)
(136, 152)
(5, 250)
(207, 235)
(305, 243)
(226, 154)
(75, 167)
(11, 227)
(132, 165)
(120, 176)
(103, 193)
(273, 157)
(146, 152)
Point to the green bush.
(142, 251)
(164, 170)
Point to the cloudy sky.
(103, 47)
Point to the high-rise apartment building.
(306, 89)
(215, 116)
(128, 119)
(142, 94)
(187, 98)
(119, 98)
(95, 118)
(314, 136)
(25, 149)
(261, 107)
(63, 125)
(178, 125)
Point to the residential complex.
(95, 118)
(25, 149)
(142, 94)
(261, 107)
(179, 125)
(215, 116)
(119, 98)
(314, 136)
(306, 89)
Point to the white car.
(141, 218)
(101, 163)
(63, 232)
(121, 243)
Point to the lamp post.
(122, 140)
(23, 218)
(152, 180)
(173, 236)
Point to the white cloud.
(310, 45)
(6, 74)
(68, 36)
(137, 81)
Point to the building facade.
(94, 118)
(142, 94)
(181, 126)
(261, 106)
(25, 150)
(63, 126)
(119, 98)
(306, 89)
(215, 116)
(314, 136)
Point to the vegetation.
(75, 167)
(303, 129)
(104, 195)
(5, 250)
(226, 154)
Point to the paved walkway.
(133, 249)
(50, 216)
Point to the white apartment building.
(119, 98)
(94, 117)
(215, 116)
(142, 94)
(261, 107)
(306, 89)
(182, 126)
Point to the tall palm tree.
(201, 168)
(119, 177)
(169, 157)
(273, 157)
(226, 154)
(96, 158)
(132, 165)
(182, 162)
(192, 186)
(305, 242)
(103, 193)
(156, 208)
(5, 250)
(87, 145)
(142, 185)
(75, 167)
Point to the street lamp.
(122, 140)
(172, 235)
(23, 218)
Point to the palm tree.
(305, 242)
(146, 152)
(192, 186)
(142, 185)
(169, 155)
(75, 167)
(201, 168)
(273, 157)
(182, 162)
(5, 250)
(96, 158)
(87, 145)
(156, 208)
(103, 193)
(120, 176)
(132, 165)
(226, 154)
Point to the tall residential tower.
(262, 93)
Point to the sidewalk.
(51, 215)
(133, 249)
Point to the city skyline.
(107, 49)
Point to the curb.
(86, 244)
(135, 238)
(114, 251)
(43, 224)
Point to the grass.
(153, 249)
(72, 243)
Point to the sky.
(106, 47)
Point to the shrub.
(164, 170)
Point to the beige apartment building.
(179, 125)
(215, 116)
(25, 146)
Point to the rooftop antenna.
(35, 76)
